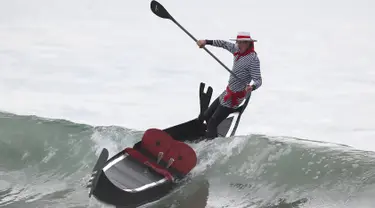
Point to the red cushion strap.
(143, 159)
(161, 171)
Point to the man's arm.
(255, 73)
(231, 47)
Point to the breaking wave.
(47, 163)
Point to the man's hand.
(201, 43)
(249, 88)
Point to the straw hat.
(244, 36)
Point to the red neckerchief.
(247, 52)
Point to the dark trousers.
(214, 115)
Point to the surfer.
(246, 66)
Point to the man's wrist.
(209, 42)
(253, 87)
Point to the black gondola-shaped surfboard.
(151, 168)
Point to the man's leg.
(218, 116)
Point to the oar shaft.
(182, 28)
(209, 52)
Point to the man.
(246, 66)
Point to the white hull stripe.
(235, 117)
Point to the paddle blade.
(159, 10)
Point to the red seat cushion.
(143, 159)
(184, 157)
(156, 141)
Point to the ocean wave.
(47, 163)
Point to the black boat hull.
(115, 193)
(124, 182)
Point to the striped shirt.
(245, 67)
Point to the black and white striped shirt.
(245, 67)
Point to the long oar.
(160, 11)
